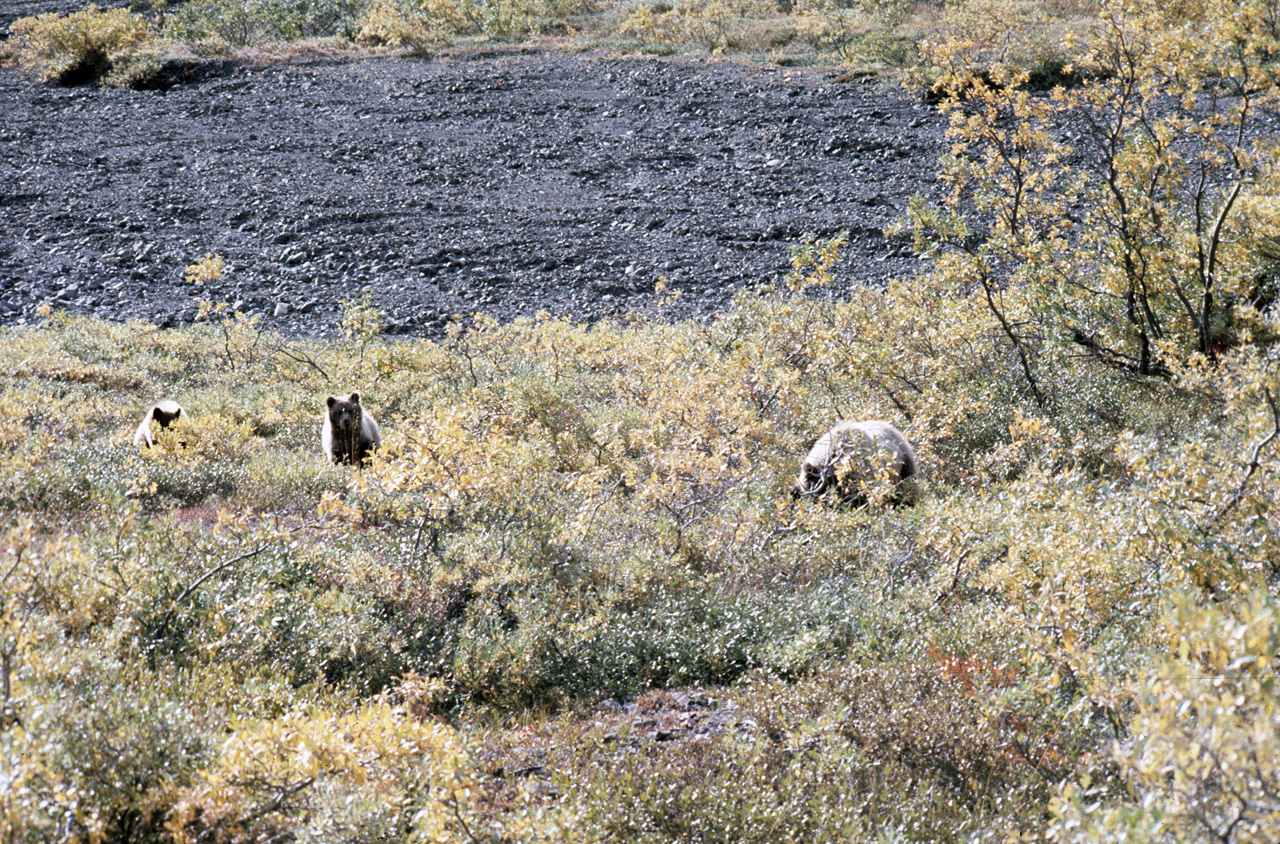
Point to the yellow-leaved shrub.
(80, 46)
(1200, 761)
(322, 776)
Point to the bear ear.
(329, 401)
(355, 398)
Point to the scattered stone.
(615, 167)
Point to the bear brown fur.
(855, 456)
(161, 415)
(348, 432)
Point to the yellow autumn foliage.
(343, 773)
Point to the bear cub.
(348, 433)
(162, 414)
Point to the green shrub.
(242, 24)
(394, 23)
(997, 37)
(919, 743)
(712, 25)
(99, 754)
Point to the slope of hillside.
(503, 183)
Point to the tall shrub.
(1120, 216)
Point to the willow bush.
(80, 46)
(1131, 214)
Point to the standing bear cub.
(854, 457)
(348, 432)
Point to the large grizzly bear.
(162, 414)
(348, 432)
(855, 456)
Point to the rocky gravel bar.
(500, 182)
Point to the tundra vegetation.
(139, 46)
(1073, 637)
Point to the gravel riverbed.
(507, 182)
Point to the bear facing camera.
(856, 456)
(348, 432)
(160, 415)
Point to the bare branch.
(215, 570)
(1254, 460)
(1013, 338)
(301, 358)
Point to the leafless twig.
(213, 571)
(1254, 460)
(301, 358)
